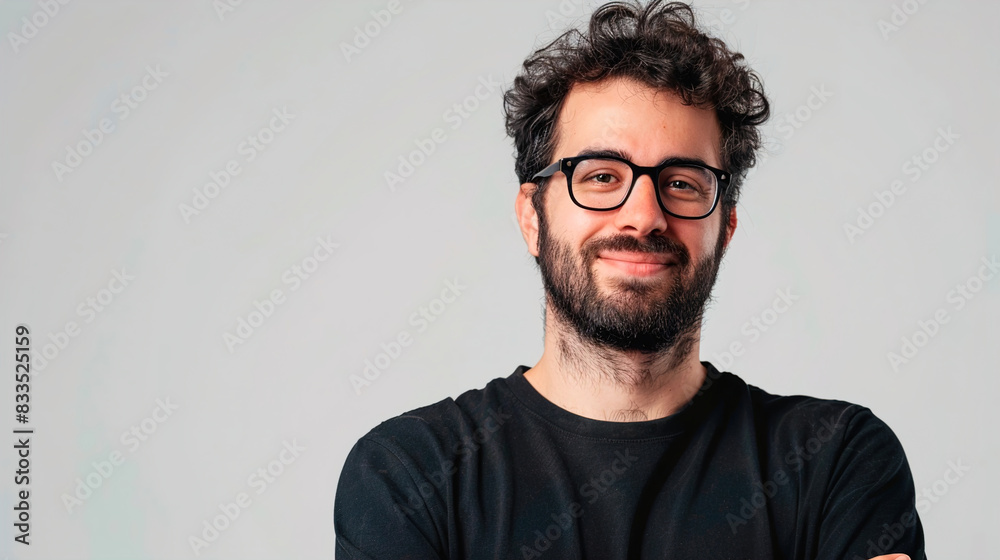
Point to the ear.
(527, 217)
(730, 227)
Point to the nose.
(641, 210)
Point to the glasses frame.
(568, 164)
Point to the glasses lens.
(688, 191)
(601, 183)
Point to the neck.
(614, 385)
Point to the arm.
(869, 510)
(379, 512)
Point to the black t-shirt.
(738, 473)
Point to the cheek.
(699, 236)
(570, 223)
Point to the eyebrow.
(613, 152)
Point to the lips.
(639, 258)
(637, 264)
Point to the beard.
(637, 315)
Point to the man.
(632, 143)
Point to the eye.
(601, 174)
(600, 179)
(680, 185)
(684, 188)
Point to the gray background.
(323, 176)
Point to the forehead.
(648, 124)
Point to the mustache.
(656, 245)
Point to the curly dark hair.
(659, 45)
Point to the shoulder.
(799, 428)
(438, 431)
(396, 491)
(786, 414)
(407, 463)
(802, 412)
(792, 421)
(848, 467)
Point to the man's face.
(632, 278)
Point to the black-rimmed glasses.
(684, 189)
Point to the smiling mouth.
(638, 264)
(639, 258)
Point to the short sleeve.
(870, 503)
(379, 512)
